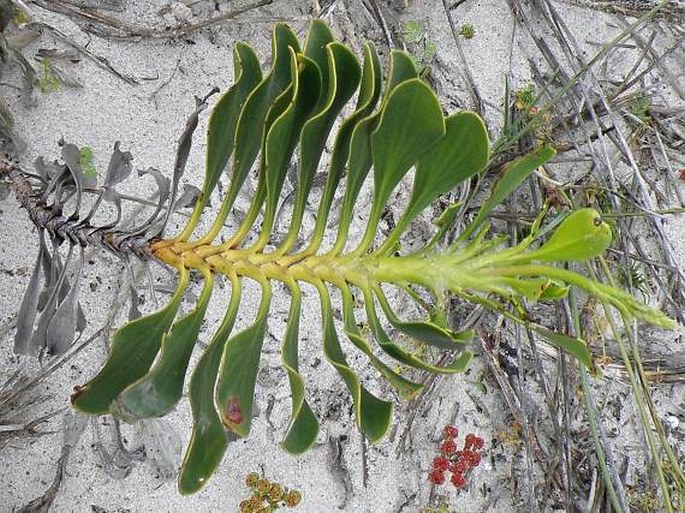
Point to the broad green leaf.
(399, 354)
(304, 426)
(208, 441)
(427, 332)
(461, 153)
(411, 122)
(360, 156)
(514, 173)
(284, 134)
(234, 393)
(224, 118)
(156, 393)
(315, 48)
(134, 348)
(402, 69)
(405, 388)
(342, 76)
(373, 414)
(251, 131)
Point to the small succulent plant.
(396, 130)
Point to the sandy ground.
(341, 472)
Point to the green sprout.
(86, 161)
(467, 31)
(48, 81)
(422, 50)
(639, 107)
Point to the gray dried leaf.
(119, 167)
(72, 158)
(29, 306)
(57, 292)
(163, 194)
(184, 144)
(61, 330)
(188, 198)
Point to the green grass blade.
(134, 348)
(304, 426)
(156, 393)
(208, 440)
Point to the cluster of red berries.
(458, 463)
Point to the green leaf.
(427, 332)
(340, 63)
(573, 346)
(224, 118)
(360, 154)
(369, 93)
(460, 153)
(251, 128)
(304, 426)
(581, 236)
(405, 388)
(208, 441)
(399, 354)
(134, 348)
(514, 173)
(234, 394)
(373, 414)
(156, 393)
(284, 133)
(410, 123)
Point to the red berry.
(441, 463)
(478, 443)
(450, 431)
(468, 442)
(458, 480)
(436, 477)
(472, 457)
(448, 447)
(460, 466)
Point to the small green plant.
(86, 161)
(396, 131)
(639, 107)
(422, 50)
(20, 17)
(268, 496)
(467, 31)
(48, 81)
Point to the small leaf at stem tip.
(581, 236)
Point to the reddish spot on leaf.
(78, 392)
(233, 415)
